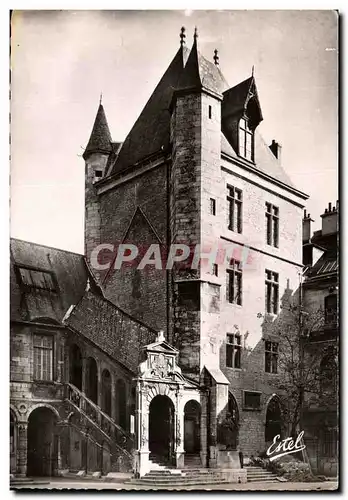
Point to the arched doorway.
(121, 400)
(13, 442)
(76, 366)
(42, 443)
(161, 428)
(92, 380)
(192, 427)
(106, 392)
(273, 420)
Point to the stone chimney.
(276, 149)
(306, 227)
(329, 220)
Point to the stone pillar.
(84, 381)
(113, 397)
(100, 388)
(84, 375)
(142, 465)
(179, 439)
(22, 449)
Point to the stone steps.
(260, 475)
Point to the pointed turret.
(199, 73)
(100, 139)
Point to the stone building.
(320, 292)
(102, 354)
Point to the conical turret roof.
(100, 139)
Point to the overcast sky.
(62, 61)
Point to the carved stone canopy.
(160, 361)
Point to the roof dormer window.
(246, 140)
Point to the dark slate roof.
(235, 97)
(100, 139)
(325, 267)
(266, 162)
(111, 329)
(199, 72)
(151, 131)
(70, 272)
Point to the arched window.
(246, 140)
(328, 374)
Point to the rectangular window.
(43, 357)
(233, 350)
(234, 283)
(331, 310)
(235, 200)
(271, 357)
(215, 270)
(272, 225)
(37, 278)
(212, 206)
(272, 292)
(209, 111)
(245, 140)
(252, 400)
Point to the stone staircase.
(101, 428)
(175, 478)
(163, 476)
(260, 475)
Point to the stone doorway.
(42, 443)
(161, 429)
(192, 427)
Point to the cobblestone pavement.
(254, 486)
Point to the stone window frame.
(245, 139)
(272, 225)
(330, 309)
(51, 358)
(234, 350)
(271, 292)
(235, 209)
(234, 283)
(212, 206)
(250, 407)
(271, 356)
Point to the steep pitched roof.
(201, 73)
(266, 162)
(100, 139)
(242, 96)
(69, 273)
(107, 326)
(151, 131)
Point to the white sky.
(61, 61)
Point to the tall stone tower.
(96, 156)
(195, 186)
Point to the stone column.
(113, 397)
(142, 431)
(179, 439)
(22, 449)
(84, 375)
(100, 388)
(84, 388)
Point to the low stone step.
(262, 481)
(155, 484)
(263, 476)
